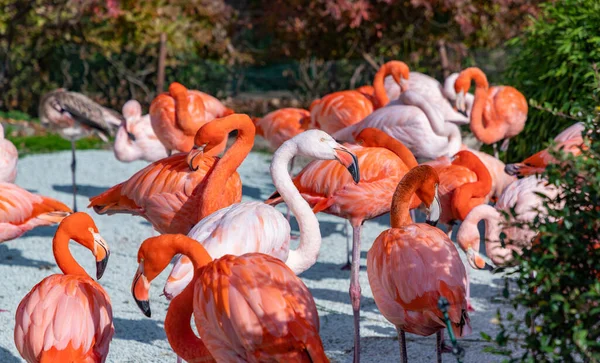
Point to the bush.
(552, 66)
(558, 279)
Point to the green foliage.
(558, 279)
(28, 145)
(553, 67)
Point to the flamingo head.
(132, 111)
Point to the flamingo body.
(166, 193)
(338, 110)
(8, 159)
(21, 211)
(64, 318)
(253, 308)
(409, 269)
(451, 177)
(281, 125)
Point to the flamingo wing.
(64, 318)
(9, 157)
(254, 308)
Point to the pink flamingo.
(249, 308)
(21, 211)
(411, 120)
(430, 89)
(498, 112)
(8, 159)
(500, 179)
(522, 196)
(135, 138)
(177, 115)
(569, 140)
(68, 317)
(258, 227)
(327, 187)
(411, 265)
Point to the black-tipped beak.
(139, 290)
(144, 305)
(353, 169)
(431, 223)
(488, 267)
(512, 169)
(349, 160)
(464, 113)
(101, 265)
(130, 136)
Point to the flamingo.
(258, 227)
(500, 179)
(168, 192)
(569, 140)
(21, 211)
(76, 116)
(249, 308)
(450, 93)
(463, 184)
(135, 138)
(410, 119)
(325, 185)
(524, 198)
(498, 112)
(411, 265)
(8, 159)
(430, 89)
(177, 115)
(68, 317)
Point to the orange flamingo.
(256, 227)
(135, 138)
(498, 112)
(169, 192)
(327, 187)
(249, 308)
(177, 115)
(570, 141)
(281, 125)
(8, 159)
(68, 318)
(411, 265)
(21, 211)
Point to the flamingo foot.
(346, 267)
(470, 307)
(446, 348)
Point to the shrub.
(552, 66)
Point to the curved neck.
(436, 119)
(469, 195)
(124, 151)
(182, 112)
(178, 328)
(396, 69)
(454, 138)
(395, 146)
(485, 134)
(62, 255)
(307, 252)
(401, 201)
(224, 168)
(492, 220)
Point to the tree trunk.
(162, 57)
(444, 58)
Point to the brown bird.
(75, 116)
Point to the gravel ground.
(26, 261)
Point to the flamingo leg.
(439, 342)
(355, 289)
(73, 167)
(402, 343)
(348, 264)
(495, 145)
(179, 360)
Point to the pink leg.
(179, 360)
(443, 348)
(348, 264)
(402, 343)
(355, 289)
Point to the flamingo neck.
(182, 113)
(307, 252)
(124, 150)
(401, 151)
(491, 218)
(62, 255)
(178, 328)
(485, 134)
(224, 168)
(469, 195)
(404, 194)
(436, 119)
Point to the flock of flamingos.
(235, 273)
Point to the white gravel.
(24, 262)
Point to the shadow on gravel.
(82, 189)
(7, 357)
(14, 257)
(251, 192)
(143, 330)
(44, 231)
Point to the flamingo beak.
(477, 262)
(102, 255)
(403, 85)
(140, 289)
(460, 102)
(197, 151)
(513, 169)
(349, 160)
(130, 136)
(434, 211)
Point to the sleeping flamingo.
(169, 192)
(411, 265)
(135, 138)
(569, 140)
(249, 308)
(430, 89)
(21, 211)
(177, 115)
(8, 159)
(68, 317)
(498, 112)
(410, 119)
(258, 227)
(382, 162)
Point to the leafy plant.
(552, 65)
